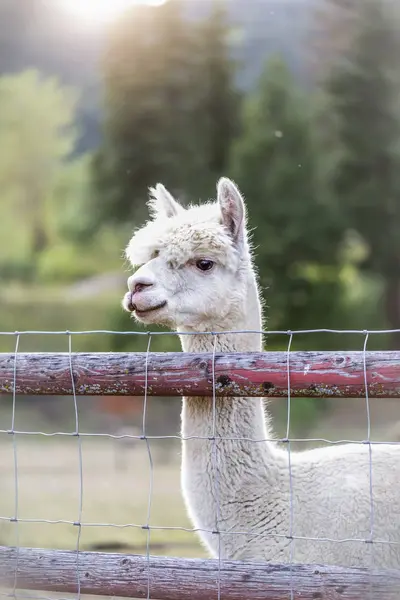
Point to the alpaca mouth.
(149, 310)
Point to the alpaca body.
(243, 486)
(330, 501)
(243, 494)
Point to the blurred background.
(297, 101)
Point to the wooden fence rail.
(189, 579)
(320, 374)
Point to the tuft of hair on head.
(162, 204)
(232, 208)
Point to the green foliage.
(220, 102)
(64, 263)
(170, 107)
(363, 91)
(67, 261)
(45, 192)
(37, 134)
(298, 232)
(71, 218)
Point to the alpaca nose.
(138, 283)
(139, 287)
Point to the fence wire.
(147, 527)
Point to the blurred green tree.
(37, 135)
(73, 186)
(219, 106)
(170, 108)
(363, 90)
(71, 256)
(277, 164)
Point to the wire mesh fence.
(288, 374)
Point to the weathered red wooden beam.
(189, 579)
(320, 374)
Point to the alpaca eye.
(204, 264)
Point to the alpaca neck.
(220, 462)
(235, 417)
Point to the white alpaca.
(195, 273)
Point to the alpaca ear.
(162, 204)
(232, 208)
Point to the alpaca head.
(192, 265)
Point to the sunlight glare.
(102, 10)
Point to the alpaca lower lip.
(152, 309)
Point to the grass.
(48, 485)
